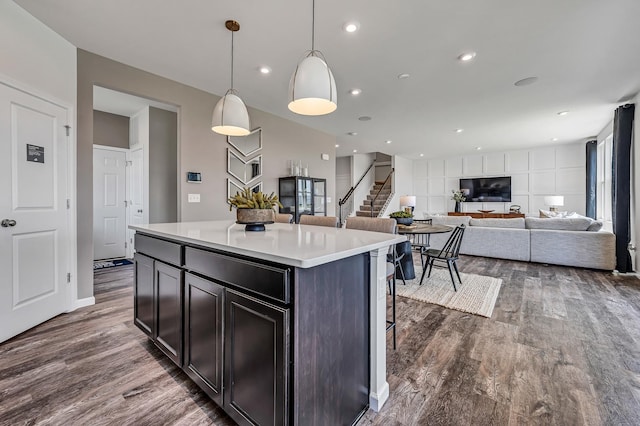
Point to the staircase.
(379, 205)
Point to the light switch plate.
(325, 157)
(194, 198)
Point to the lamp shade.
(408, 201)
(230, 116)
(312, 88)
(554, 200)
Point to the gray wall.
(163, 167)
(199, 149)
(110, 129)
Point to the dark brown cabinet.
(203, 334)
(168, 330)
(256, 360)
(271, 344)
(143, 298)
(158, 294)
(303, 195)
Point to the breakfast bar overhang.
(324, 286)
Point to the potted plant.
(458, 196)
(254, 209)
(402, 217)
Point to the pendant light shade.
(312, 89)
(230, 115)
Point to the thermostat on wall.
(194, 177)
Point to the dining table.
(419, 236)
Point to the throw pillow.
(557, 223)
(595, 226)
(548, 214)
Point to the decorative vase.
(404, 220)
(254, 219)
(458, 205)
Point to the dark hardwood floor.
(562, 348)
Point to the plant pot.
(404, 220)
(458, 207)
(255, 219)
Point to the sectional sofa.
(575, 241)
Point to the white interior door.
(109, 203)
(136, 192)
(34, 236)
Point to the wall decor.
(233, 187)
(244, 171)
(247, 145)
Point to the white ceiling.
(585, 53)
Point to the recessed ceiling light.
(337, 146)
(421, 155)
(351, 27)
(478, 148)
(364, 118)
(561, 113)
(467, 56)
(403, 76)
(554, 139)
(265, 69)
(352, 133)
(459, 130)
(526, 81)
(355, 92)
(388, 141)
(355, 150)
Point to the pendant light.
(312, 89)
(230, 116)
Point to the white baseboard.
(81, 303)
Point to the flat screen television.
(487, 189)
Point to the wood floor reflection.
(562, 347)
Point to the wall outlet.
(194, 198)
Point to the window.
(605, 172)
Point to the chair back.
(375, 224)
(283, 218)
(328, 221)
(451, 248)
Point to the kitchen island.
(284, 326)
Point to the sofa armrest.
(584, 249)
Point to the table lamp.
(554, 201)
(408, 202)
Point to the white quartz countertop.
(303, 246)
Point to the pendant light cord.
(313, 25)
(232, 60)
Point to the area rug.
(476, 295)
(102, 264)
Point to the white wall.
(558, 170)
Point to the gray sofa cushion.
(560, 224)
(517, 223)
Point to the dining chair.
(328, 221)
(420, 242)
(388, 226)
(448, 254)
(283, 218)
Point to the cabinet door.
(143, 294)
(203, 308)
(256, 361)
(319, 197)
(168, 333)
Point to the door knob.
(139, 211)
(7, 223)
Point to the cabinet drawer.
(266, 280)
(165, 251)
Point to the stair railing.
(387, 180)
(349, 193)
